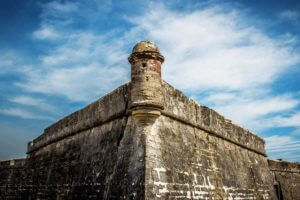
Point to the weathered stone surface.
(188, 163)
(178, 106)
(13, 179)
(286, 179)
(146, 99)
(108, 107)
(104, 162)
(94, 153)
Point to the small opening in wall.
(278, 191)
(144, 64)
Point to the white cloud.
(29, 101)
(285, 147)
(86, 47)
(8, 61)
(46, 32)
(24, 114)
(82, 83)
(249, 110)
(212, 48)
(58, 7)
(220, 52)
(257, 110)
(81, 66)
(58, 13)
(291, 120)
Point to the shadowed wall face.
(103, 158)
(286, 179)
(13, 179)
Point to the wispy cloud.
(58, 13)
(46, 32)
(56, 8)
(8, 61)
(290, 15)
(219, 52)
(82, 65)
(24, 114)
(216, 45)
(81, 83)
(35, 102)
(198, 60)
(283, 147)
(287, 120)
(258, 111)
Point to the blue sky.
(241, 58)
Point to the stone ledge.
(13, 163)
(109, 107)
(69, 131)
(181, 107)
(176, 104)
(284, 166)
(210, 131)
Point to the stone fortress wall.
(286, 177)
(82, 156)
(195, 153)
(146, 140)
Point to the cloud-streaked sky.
(240, 58)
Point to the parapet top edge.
(247, 131)
(47, 130)
(13, 162)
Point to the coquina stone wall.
(286, 179)
(194, 153)
(13, 176)
(100, 152)
(94, 153)
(190, 152)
